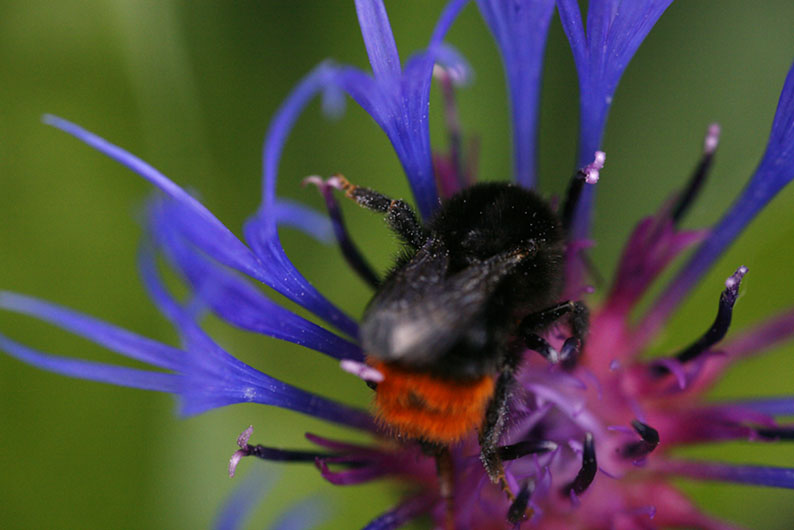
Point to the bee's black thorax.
(454, 290)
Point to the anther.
(527, 447)
(518, 508)
(591, 171)
(588, 470)
(718, 329)
(649, 441)
(588, 174)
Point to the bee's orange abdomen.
(421, 406)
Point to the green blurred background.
(190, 87)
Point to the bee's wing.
(421, 311)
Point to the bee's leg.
(399, 215)
(492, 428)
(490, 452)
(579, 321)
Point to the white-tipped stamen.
(591, 171)
(361, 370)
(242, 440)
(314, 180)
(712, 139)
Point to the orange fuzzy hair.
(419, 406)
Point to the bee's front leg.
(399, 215)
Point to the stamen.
(712, 139)
(446, 79)
(697, 179)
(349, 249)
(649, 442)
(776, 433)
(591, 170)
(527, 447)
(361, 370)
(588, 174)
(268, 453)
(518, 508)
(718, 329)
(588, 470)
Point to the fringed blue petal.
(398, 99)
(407, 511)
(92, 371)
(243, 499)
(212, 378)
(111, 337)
(210, 233)
(261, 234)
(305, 514)
(775, 170)
(207, 377)
(378, 39)
(520, 28)
(261, 229)
(615, 29)
(206, 232)
(237, 301)
(303, 218)
(774, 477)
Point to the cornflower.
(589, 446)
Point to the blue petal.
(208, 377)
(261, 234)
(217, 239)
(520, 28)
(242, 501)
(407, 511)
(398, 100)
(213, 378)
(205, 231)
(615, 30)
(783, 406)
(111, 337)
(775, 170)
(92, 371)
(261, 230)
(378, 38)
(775, 477)
(236, 300)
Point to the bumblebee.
(472, 289)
